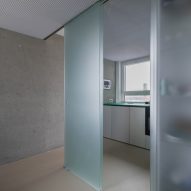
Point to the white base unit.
(137, 127)
(126, 124)
(120, 124)
(107, 121)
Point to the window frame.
(133, 93)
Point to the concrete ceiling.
(39, 18)
(126, 29)
(126, 22)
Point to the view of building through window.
(137, 82)
(137, 77)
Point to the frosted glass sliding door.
(172, 95)
(84, 96)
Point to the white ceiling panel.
(126, 29)
(39, 18)
(61, 32)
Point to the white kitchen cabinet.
(137, 126)
(126, 124)
(120, 124)
(107, 121)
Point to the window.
(137, 77)
(136, 83)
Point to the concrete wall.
(31, 95)
(109, 74)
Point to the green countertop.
(127, 104)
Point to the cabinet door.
(137, 126)
(120, 124)
(107, 121)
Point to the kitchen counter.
(127, 104)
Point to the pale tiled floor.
(126, 168)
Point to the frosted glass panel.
(175, 95)
(84, 96)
